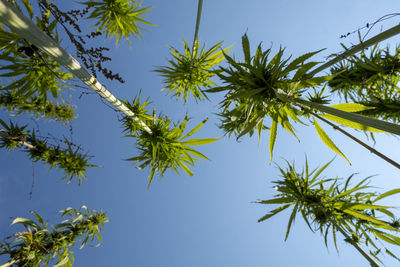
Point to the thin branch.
(365, 254)
(376, 39)
(371, 149)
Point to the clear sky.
(208, 219)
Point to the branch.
(365, 254)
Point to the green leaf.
(273, 212)
(388, 193)
(195, 129)
(65, 260)
(351, 107)
(246, 48)
(250, 126)
(28, 7)
(272, 136)
(24, 221)
(39, 218)
(388, 238)
(291, 220)
(185, 168)
(365, 217)
(354, 125)
(327, 141)
(366, 207)
(276, 200)
(196, 142)
(392, 254)
(294, 64)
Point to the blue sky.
(208, 219)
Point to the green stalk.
(7, 264)
(367, 121)
(376, 39)
(354, 244)
(196, 31)
(24, 27)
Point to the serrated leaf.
(272, 136)
(388, 193)
(291, 220)
(22, 221)
(365, 217)
(354, 125)
(246, 48)
(273, 212)
(328, 141)
(351, 107)
(195, 129)
(276, 200)
(65, 260)
(196, 142)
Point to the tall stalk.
(354, 244)
(196, 30)
(24, 27)
(374, 40)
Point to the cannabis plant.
(328, 206)
(33, 72)
(166, 146)
(190, 72)
(251, 91)
(360, 75)
(69, 159)
(118, 18)
(261, 87)
(130, 126)
(40, 244)
(372, 81)
(12, 101)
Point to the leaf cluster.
(39, 244)
(69, 159)
(252, 88)
(370, 80)
(360, 75)
(166, 146)
(131, 126)
(329, 206)
(190, 72)
(12, 101)
(33, 72)
(118, 18)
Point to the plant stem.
(196, 31)
(372, 150)
(7, 264)
(5, 134)
(24, 27)
(376, 39)
(367, 121)
(365, 254)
